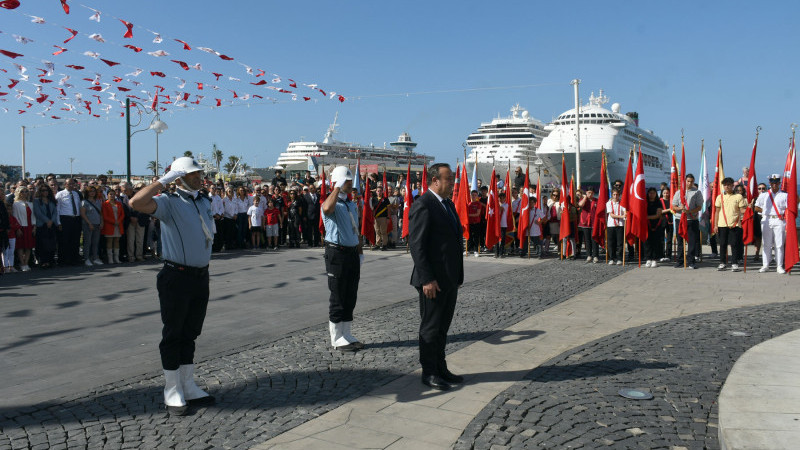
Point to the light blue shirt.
(184, 241)
(341, 227)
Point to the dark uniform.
(342, 264)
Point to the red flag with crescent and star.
(599, 229)
(407, 201)
(462, 202)
(492, 214)
(791, 255)
(638, 226)
(750, 190)
(525, 209)
(367, 220)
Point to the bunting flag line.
(100, 45)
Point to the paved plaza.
(544, 345)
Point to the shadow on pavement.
(605, 367)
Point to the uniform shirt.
(186, 225)
(730, 215)
(256, 216)
(341, 226)
(515, 205)
(503, 216)
(615, 208)
(216, 205)
(694, 200)
(229, 207)
(767, 209)
(66, 199)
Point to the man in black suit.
(436, 247)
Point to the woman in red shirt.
(113, 217)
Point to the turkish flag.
(750, 190)
(683, 224)
(525, 209)
(566, 201)
(462, 201)
(716, 189)
(511, 226)
(323, 194)
(791, 255)
(128, 29)
(492, 214)
(424, 179)
(407, 201)
(367, 220)
(457, 183)
(638, 201)
(674, 177)
(599, 229)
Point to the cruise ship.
(396, 157)
(601, 128)
(505, 141)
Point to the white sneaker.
(780, 269)
(88, 263)
(477, 254)
(610, 262)
(654, 264)
(26, 268)
(97, 262)
(734, 267)
(648, 263)
(618, 262)
(721, 267)
(664, 260)
(595, 260)
(763, 269)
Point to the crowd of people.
(88, 222)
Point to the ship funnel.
(635, 116)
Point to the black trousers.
(592, 248)
(500, 247)
(229, 232)
(69, 240)
(668, 240)
(474, 242)
(654, 245)
(242, 232)
(184, 298)
(732, 236)
(316, 237)
(218, 236)
(46, 243)
(615, 241)
(344, 272)
(293, 227)
(693, 244)
(435, 317)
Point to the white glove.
(340, 184)
(361, 259)
(171, 176)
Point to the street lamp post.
(156, 125)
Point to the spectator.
(312, 200)
(12, 231)
(474, 212)
(272, 217)
(134, 230)
(113, 221)
(669, 224)
(380, 211)
(229, 219)
(23, 212)
(69, 205)
(256, 217)
(48, 223)
(218, 211)
(242, 203)
(587, 206)
(615, 228)
(92, 215)
(654, 245)
(294, 214)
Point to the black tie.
(72, 200)
(450, 207)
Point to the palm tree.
(216, 155)
(245, 167)
(188, 153)
(110, 172)
(154, 167)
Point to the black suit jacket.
(436, 244)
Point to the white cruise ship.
(513, 139)
(600, 128)
(332, 152)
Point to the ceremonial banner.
(492, 214)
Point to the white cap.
(774, 176)
(341, 173)
(186, 164)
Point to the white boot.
(173, 393)
(110, 255)
(191, 391)
(350, 338)
(337, 336)
(116, 256)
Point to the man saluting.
(437, 250)
(186, 224)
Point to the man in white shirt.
(772, 206)
(536, 220)
(229, 209)
(69, 238)
(217, 210)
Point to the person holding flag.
(587, 207)
(380, 209)
(729, 208)
(615, 228)
(688, 201)
(772, 206)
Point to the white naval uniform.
(773, 226)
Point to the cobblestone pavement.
(572, 401)
(267, 388)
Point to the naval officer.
(343, 258)
(772, 206)
(186, 223)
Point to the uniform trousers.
(436, 314)
(732, 236)
(183, 295)
(615, 241)
(344, 271)
(474, 241)
(654, 244)
(773, 234)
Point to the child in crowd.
(272, 216)
(256, 218)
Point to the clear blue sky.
(715, 69)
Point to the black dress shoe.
(451, 378)
(177, 410)
(435, 381)
(358, 345)
(202, 401)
